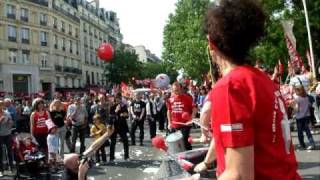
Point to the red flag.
(295, 58)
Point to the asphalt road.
(145, 162)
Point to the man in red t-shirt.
(178, 104)
(249, 121)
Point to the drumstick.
(192, 121)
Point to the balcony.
(25, 41)
(43, 23)
(73, 17)
(66, 69)
(12, 39)
(25, 19)
(44, 43)
(46, 68)
(58, 68)
(40, 2)
(11, 16)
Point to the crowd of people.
(48, 126)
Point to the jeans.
(124, 139)
(185, 130)
(42, 142)
(78, 131)
(62, 135)
(152, 126)
(303, 126)
(135, 124)
(5, 141)
(101, 152)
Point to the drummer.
(178, 104)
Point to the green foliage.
(152, 69)
(273, 46)
(123, 66)
(185, 44)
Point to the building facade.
(145, 55)
(48, 45)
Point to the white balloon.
(162, 81)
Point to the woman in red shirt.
(249, 121)
(38, 127)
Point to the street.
(145, 162)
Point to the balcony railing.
(75, 18)
(40, 2)
(25, 41)
(11, 16)
(44, 43)
(46, 68)
(58, 68)
(12, 39)
(25, 19)
(43, 23)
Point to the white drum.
(175, 143)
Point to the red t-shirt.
(39, 124)
(177, 105)
(247, 110)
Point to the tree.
(123, 66)
(152, 69)
(185, 44)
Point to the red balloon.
(159, 143)
(186, 165)
(190, 140)
(105, 52)
(186, 116)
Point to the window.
(77, 48)
(25, 35)
(13, 56)
(55, 22)
(62, 26)
(84, 27)
(92, 78)
(63, 44)
(25, 57)
(43, 38)
(76, 32)
(91, 43)
(95, 33)
(58, 83)
(85, 39)
(55, 40)
(87, 77)
(12, 33)
(70, 29)
(71, 46)
(86, 59)
(91, 59)
(24, 15)
(43, 19)
(97, 61)
(11, 11)
(98, 78)
(44, 60)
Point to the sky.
(142, 21)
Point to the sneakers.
(1, 174)
(127, 159)
(97, 164)
(311, 147)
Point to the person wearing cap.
(77, 116)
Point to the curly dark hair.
(234, 26)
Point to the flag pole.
(309, 38)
